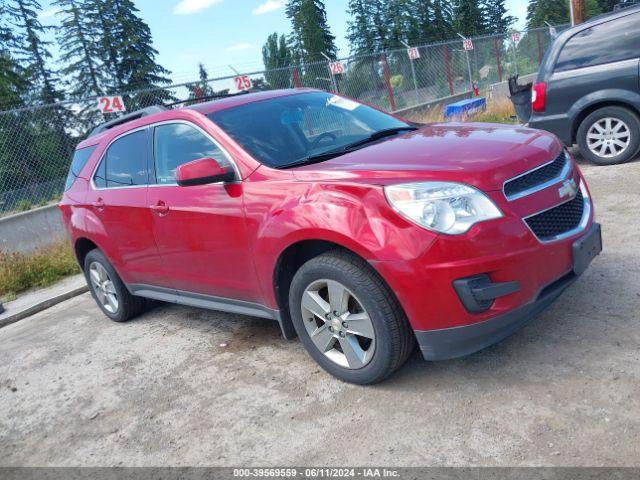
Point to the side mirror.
(203, 171)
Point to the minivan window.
(125, 163)
(177, 143)
(79, 160)
(608, 42)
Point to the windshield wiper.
(321, 157)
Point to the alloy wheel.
(103, 287)
(608, 137)
(337, 324)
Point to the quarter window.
(178, 143)
(80, 158)
(608, 42)
(125, 163)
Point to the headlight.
(444, 207)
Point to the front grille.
(557, 220)
(536, 177)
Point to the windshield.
(284, 131)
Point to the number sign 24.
(111, 104)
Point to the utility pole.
(577, 11)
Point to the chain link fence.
(36, 143)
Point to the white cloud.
(187, 7)
(239, 46)
(268, 6)
(49, 12)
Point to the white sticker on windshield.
(342, 102)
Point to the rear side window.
(177, 143)
(125, 162)
(608, 42)
(79, 160)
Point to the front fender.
(354, 216)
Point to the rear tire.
(108, 290)
(370, 323)
(609, 136)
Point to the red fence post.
(447, 67)
(539, 47)
(495, 45)
(296, 78)
(387, 80)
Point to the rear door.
(120, 218)
(200, 230)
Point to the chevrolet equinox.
(357, 231)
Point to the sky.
(228, 33)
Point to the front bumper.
(447, 343)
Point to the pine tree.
(200, 89)
(311, 36)
(607, 5)
(104, 13)
(276, 55)
(551, 11)
(361, 31)
(31, 50)
(442, 20)
(80, 49)
(496, 18)
(12, 82)
(136, 67)
(469, 18)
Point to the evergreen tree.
(496, 18)
(202, 88)
(103, 11)
(361, 31)
(127, 43)
(311, 36)
(469, 18)
(551, 11)
(31, 50)
(607, 5)
(80, 49)
(442, 20)
(276, 55)
(12, 82)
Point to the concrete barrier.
(27, 231)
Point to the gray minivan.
(588, 88)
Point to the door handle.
(98, 204)
(160, 208)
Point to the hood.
(482, 155)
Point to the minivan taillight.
(539, 97)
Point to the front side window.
(125, 162)
(177, 143)
(285, 130)
(608, 42)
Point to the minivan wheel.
(609, 136)
(347, 318)
(108, 290)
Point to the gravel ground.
(181, 386)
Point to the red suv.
(358, 231)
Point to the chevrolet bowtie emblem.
(568, 189)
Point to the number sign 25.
(243, 82)
(111, 104)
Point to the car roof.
(161, 114)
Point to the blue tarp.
(466, 108)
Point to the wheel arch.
(81, 247)
(289, 262)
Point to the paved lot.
(76, 389)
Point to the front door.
(200, 230)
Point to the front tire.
(348, 319)
(108, 290)
(609, 136)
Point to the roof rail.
(145, 112)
